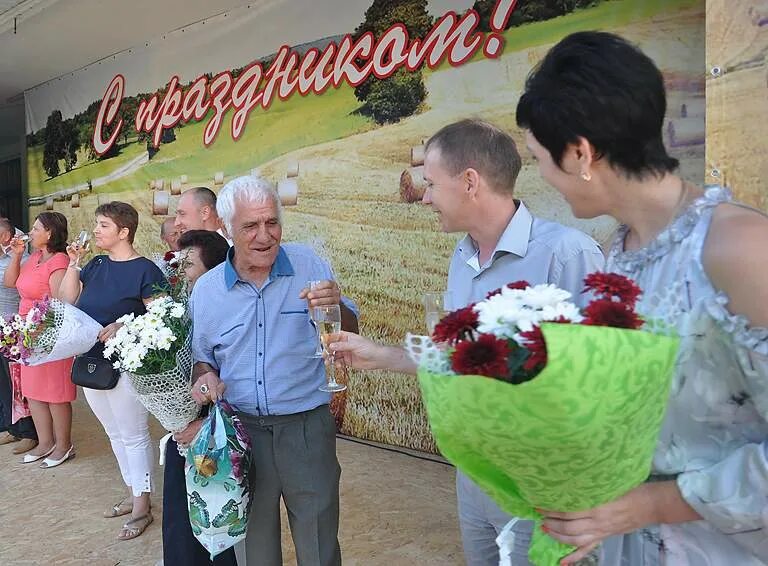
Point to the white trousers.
(124, 420)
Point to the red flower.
(605, 312)
(169, 255)
(455, 326)
(534, 343)
(522, 284)
(173, 280)
(487, 356)
(613, 285)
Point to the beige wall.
(737, 97)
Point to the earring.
(586, 176)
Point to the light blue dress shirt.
(260, 339)
(530, 249)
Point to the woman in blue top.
(108, 287)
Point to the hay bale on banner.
(218, 178)
(685, 132)
(256, 172)
(184, 179)
(103, 198)
(417, 155)
(176, 187)
(694, 108)
(49, 203)
(159, 184)
(160, 202)
(293, 170)
(288, 190)
(412, 185)
(152, 184)
(76, 200)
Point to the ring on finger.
(204, 389)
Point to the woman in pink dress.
(47, 387)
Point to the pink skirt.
(49, 383)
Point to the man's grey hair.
(248, 189)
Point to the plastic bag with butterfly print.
(218, 461)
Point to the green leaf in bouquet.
(580, 434)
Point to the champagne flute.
(436, 306)
(318, 353)
(328, 318)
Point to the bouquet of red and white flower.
(571, 417)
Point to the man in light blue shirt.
(253, 337)
(471, 168)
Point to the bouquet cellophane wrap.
(217, 470)
(580, 434)
(73, 333)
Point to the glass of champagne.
(318, 353)
(83, 240)
(328, 319)
(436, 306)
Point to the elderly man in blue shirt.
(471, 168)
(253, 337)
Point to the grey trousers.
(481, 521)
(294, 457)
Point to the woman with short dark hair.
(201, 250)
(593, 111)
(108, 287)
(47, 387)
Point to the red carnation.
(605, 312)
(173, 280)
(487, 356)
(455, 326)
(522, 284)
(169, 255)
(612, 285)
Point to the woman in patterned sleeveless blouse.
(593, 112)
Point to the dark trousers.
(294, 457)
(179, 543)
(23, 428)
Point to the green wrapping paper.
(580, 434)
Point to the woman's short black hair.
(56, 224)
(598, 86)
(212, 246)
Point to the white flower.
(519, 310)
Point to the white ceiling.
(54, 37)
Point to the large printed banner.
(332, 100)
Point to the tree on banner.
(388, 100)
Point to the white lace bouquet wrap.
(62, 332)
(154, 350)
(167, 394)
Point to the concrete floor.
(395, 509)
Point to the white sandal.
(50, 463)
(29, 458)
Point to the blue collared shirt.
(532, 249)
(260, 339)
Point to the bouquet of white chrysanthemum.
(154, 350)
